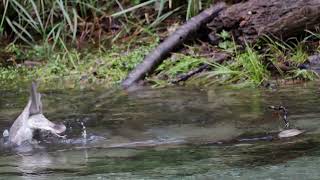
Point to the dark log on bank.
(153, 59)
(281, 18)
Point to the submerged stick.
(153, 59)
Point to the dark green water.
(177, 133)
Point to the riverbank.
(108, 67)
(78, 57)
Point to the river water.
(172, 133)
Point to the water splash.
(84, 133)
(5, 133)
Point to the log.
(281, 18)
(153, 59)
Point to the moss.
(79, 68)
(71, 68)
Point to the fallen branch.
(253, 19)
(153, 59)
(191, 73)
(219, 58)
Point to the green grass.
(110, 67)
(172, 68)
(178, 65)
(89, 67)
(70, 22)
(303, 74)
(299, 55)
(294, 53)
(291, 55)
(49, 32)
(247, 68)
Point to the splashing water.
(84, 132)
(5, 133)
(171, 134)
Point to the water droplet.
(5, 133)
(84, 132)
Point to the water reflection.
(169, 133)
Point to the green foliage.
(12, 74)
(226, 44)
(179, 65)
(44, 19)
(108, 68)
(293, 55)
(224, 35)
(48, 28)
(304, 74)
(195, 6)
(35, 53)
(314, 35)
(114, 67)
(247, 68)
(252, 64)
(298, 56)
(60, 21)
(56, 21)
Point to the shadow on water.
(168, 133)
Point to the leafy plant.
(181, 64)
(304, 74)
(227, 44)
(225, 35)
(247, 68)
(291, 55)
(58, 21)
(298, 56)
(252, 64)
